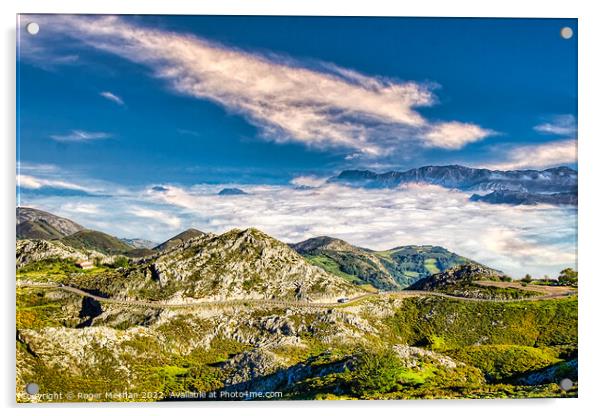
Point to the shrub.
(377, 372)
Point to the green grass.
(431, 266)
(326, 263)
(35, 309)
(96, 240)
(460, 324)
(500, 362)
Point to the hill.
(96, 240)
(35, 223)
(388, 270)
(179, 239)
(464, 281)
(238, 264)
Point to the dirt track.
(276, 302)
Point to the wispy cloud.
(80, 136)
(112, 97)
(161, 216)
(455, 135)
(559, 152)
(309, 180)
(562, 125)
(325, 106)
(32, 182)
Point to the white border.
(590, 267)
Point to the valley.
(219, 317)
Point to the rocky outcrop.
(464, 274)
(29, 251)
(239, 264)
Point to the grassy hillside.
(179, 239)
(392, 269)
(38, 230)
(96, 240)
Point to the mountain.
(355, 264)
(234, 265)
(139, 243)
(231, 191)
(526, 198)
(532, 185)
(388, 270)
(35, 223)
(468, 273)
(179, 239)
(96, 240)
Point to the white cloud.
(537, 156)
(81, 208)
(455, 135)
(80, 136)
(327, 106)
(562, 125)
(309, 180)
(32, 182)
(165, 218)
(112, 97)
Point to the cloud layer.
(526, 239)
(324, 106)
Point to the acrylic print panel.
(281, 208)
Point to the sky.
(132, 124)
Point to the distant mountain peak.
(179, 239)
(231, 192)
(322, 243)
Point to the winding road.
(274, 302)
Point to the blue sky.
(109, 107)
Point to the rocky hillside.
(464, 281)
(456, 275)
(239, 264)
(34, 223)
(139, 243)
(398, 349)
(31, 251)
(388, 270)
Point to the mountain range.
(556, 186)
(392, 269)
